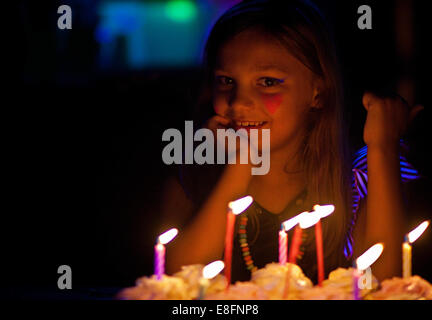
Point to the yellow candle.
(209, 272)
(406, 248)
(203, 285)
(406, 258)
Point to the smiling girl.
(272, 65)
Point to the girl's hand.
(217, 122)
(238, 175)
(387, 119)
(220, 122)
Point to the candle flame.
(291, 223)
(324, 210)
(308, 219)
(240, 205)
(369, 257)
(167, 236)
(212, 269)
(417, 232)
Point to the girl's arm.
(385, 208)
(202, 240)
(387, 120)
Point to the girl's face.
(259, 84)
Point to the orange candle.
(319, 251)
(228, 245)
(295, 245)
(322, 212)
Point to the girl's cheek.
(272, 102)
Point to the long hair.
(300, 27)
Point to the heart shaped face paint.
(272, 102)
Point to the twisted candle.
(159, 260)
(283, 243)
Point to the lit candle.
(163, 239)
(305, 220)
(288, 225)
(323, 211)
(319, 252)
(209, 272)
(362, 263)
(234, 208)
(283, 239)
(406, 248)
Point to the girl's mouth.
(248, 124)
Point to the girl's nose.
(241, 99)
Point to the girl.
(271, 64)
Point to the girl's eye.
(224, 81)
(269, 82)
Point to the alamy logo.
(65, 20)
(246, 150)
(365, 20)
(65, 280)
(365, 279)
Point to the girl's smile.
(242, 124)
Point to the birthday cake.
(274, 282)
(411, 288)
(338, 286)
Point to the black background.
(84, 170)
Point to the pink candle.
(295, 245)
(320, 253)
(159, 260)
(283, 244)
(356, 275)
(228, 245)
(362, 263)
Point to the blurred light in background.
(155, 34)
(181, 10)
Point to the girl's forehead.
(256, 50)
(251, 40)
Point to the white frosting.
(149, 288)
(325, 293)
(343, 279)
(412, 288)
(272, 279)
(192, 275)
(240, 291)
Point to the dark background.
(85, 168)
